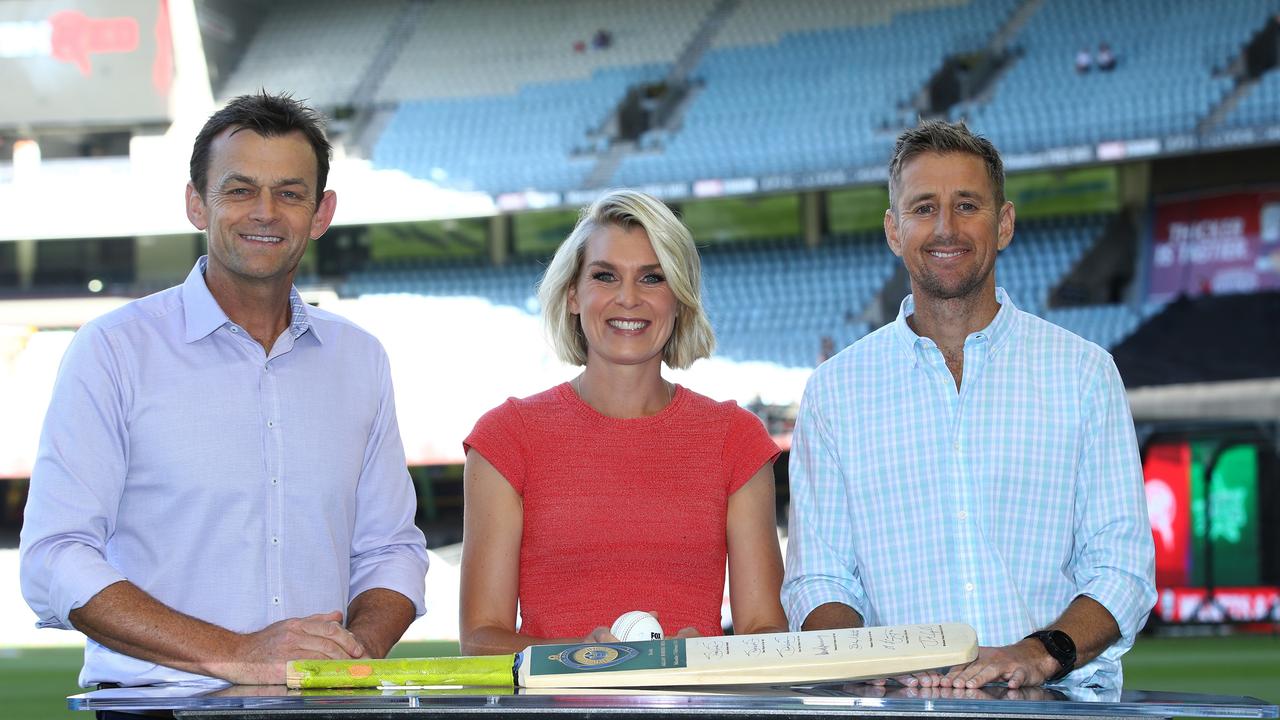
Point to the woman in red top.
(619, 490)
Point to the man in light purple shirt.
(221, 485)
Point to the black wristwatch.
(1060, 647)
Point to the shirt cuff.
(402, 570)
(1128, 601)
(75, 578)
(809, 594)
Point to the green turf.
(1234, 665)
(34, 682)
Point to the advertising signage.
(1202, 501)
(1217, 244)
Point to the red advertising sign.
(1216, 244)
(1167, 470)
(1229, 604)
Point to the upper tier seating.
(1164, 83)
(316, 51)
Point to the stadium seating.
(1040, 256)
(812, 99)
(503, 95)
(1260, 106)
(1168, 79)
(769, 301)
(774, 301)
(1106, 325)
(318, 51)
(477, 48)
(510, 142)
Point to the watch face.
(1062, 644)
(1062, 648)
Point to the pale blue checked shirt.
(234, 485)
(996, 505)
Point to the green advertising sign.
(538, 234)
(855, 210)
(733, 219)
(1227, 514)
(1065, 192)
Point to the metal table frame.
(208, 701)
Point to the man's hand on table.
(261, 656)
(1022, 664)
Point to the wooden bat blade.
(772, 658)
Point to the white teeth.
(944, 255)
(627, 324)
(264, 238)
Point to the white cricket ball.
(636, 625)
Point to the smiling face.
(622, 299)
(260, 207)
(947, 227)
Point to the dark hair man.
(221, 485)
(969, 461)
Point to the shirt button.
(968, 587)
(267, 367)
(275, 541)
(275, 601)
(235, 329)
(271, 423)
(956, 445)
(963, 514)
(275, 481)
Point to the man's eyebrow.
(921, 196)
(245, 179)
(236, 178)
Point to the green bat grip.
(486, 670)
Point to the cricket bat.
(768, 658)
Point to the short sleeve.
(747, 447)
(499, 437)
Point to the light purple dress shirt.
(237, 486)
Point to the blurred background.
(1141, 139)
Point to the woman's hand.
(601, 634)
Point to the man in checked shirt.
(970, 462)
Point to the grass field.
(34, 682)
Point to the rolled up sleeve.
(820, 567)
(388, 550)
(1116, 561)
(76, 483)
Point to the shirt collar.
(204, 315)
(996, 333)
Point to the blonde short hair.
(692, 337)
